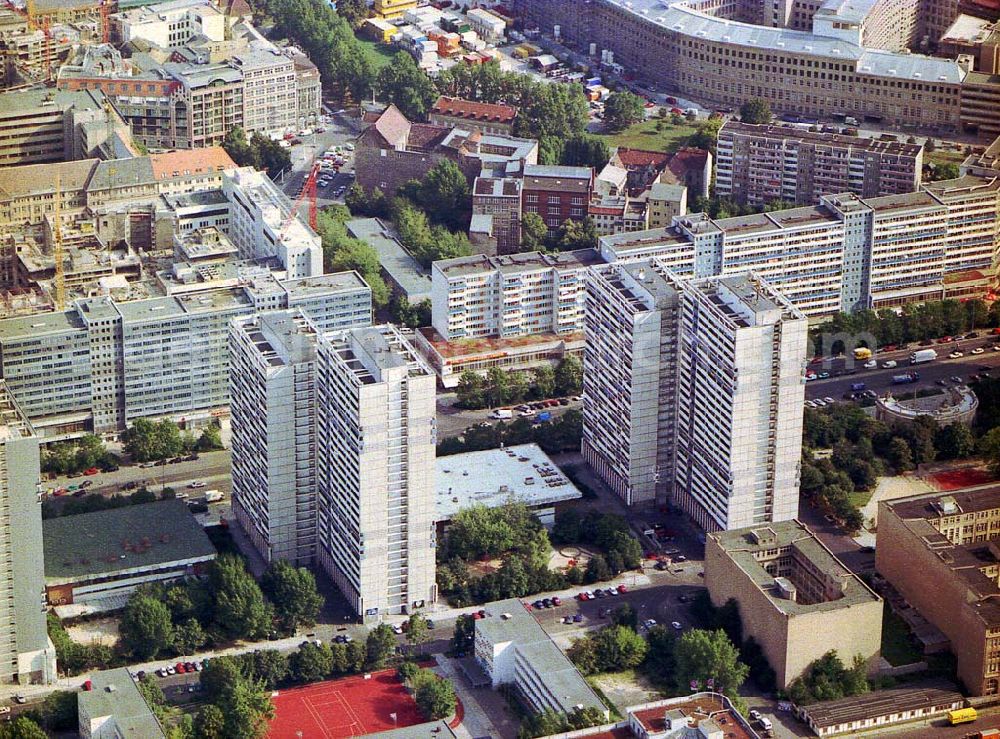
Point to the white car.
(889, 365)
(819, 403)
(677, 625)
(4, 710)
(754, 715)
(829, 401)
(197, 484)
(649, 623)
(956, 354)
(871, 364)
(810, 404)
(977, 350)
(397, 629)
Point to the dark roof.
(135, 537)
(935, 505)
(426, 136)
(940, 697)
(474, 111)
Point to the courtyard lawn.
(897, 643)
(645, 136)
(381, 54)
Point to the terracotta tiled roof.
(426, 135)
(642, 158)
(474, 111)
(190, 161)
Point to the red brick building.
(488, 117)
(556, 193)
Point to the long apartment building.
(272, 387)
(102, 363)
(847, 252)
(510, 295)
(376, 470)
(26, 653)
(833, 69)
(694, 392)
(758, 165)
(939, 551)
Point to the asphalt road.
(880, 379)
(212, 468)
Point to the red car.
(622, 589)
(181, 669)
(88, 685)
(557, 601)
(91, 471)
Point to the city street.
(880, 379)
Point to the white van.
(502, 414)
(765, 723)
(213, 496)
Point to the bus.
(962, 716)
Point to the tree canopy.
(293, 592)
(756, 110)
(622, 109)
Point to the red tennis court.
(961, 478)
(350, 706)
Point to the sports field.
(351, 706)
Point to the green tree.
(417, 631)
(544, 380)
(954, 441)
(569, 375)
(534, 232)
(702, 655)
(146, 629)
(240, 608)
(943, 171)
(210, 723)
(268, 665)
(584, 150)
(625, 615)
(210, 439)
(622, 109)
(310, 663)
(238, 148)
(755, 110)
(59, 712)
(379, 646)
(462, 639)
(445, 195)
(189, 637)
(989, 449)
(22, 727)
(471, 390)
(269, 155)
(406, 86)
(900, 456)
(293, 592)
(597, 569)
(574, 235)
(353, 11)
(147, 440)
(434, 696)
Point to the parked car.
(677, 625)
(977, 350)
(956, 354)
(90, 471)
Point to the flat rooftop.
(469, 349)
(509, 621)
(120, 541)
(115, 693)
(932, 506)
(523, 473)
(743, 544)
(778, 131)
(334, 282)
(523, 262)
(939, 696)
(23, 327)
(411, 277)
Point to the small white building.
(489, 26)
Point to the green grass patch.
(944, 156)
(859, 498)
(380, 54)
(898, 646)
(645, 136)
(612, 708)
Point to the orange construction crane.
(308, 191)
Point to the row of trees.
(551, 723)
(228, 604)
(52, 508)
(501, 387)
(76, 455)
(920, 322)
(147, 441)
(571, 235)
(561, 434)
